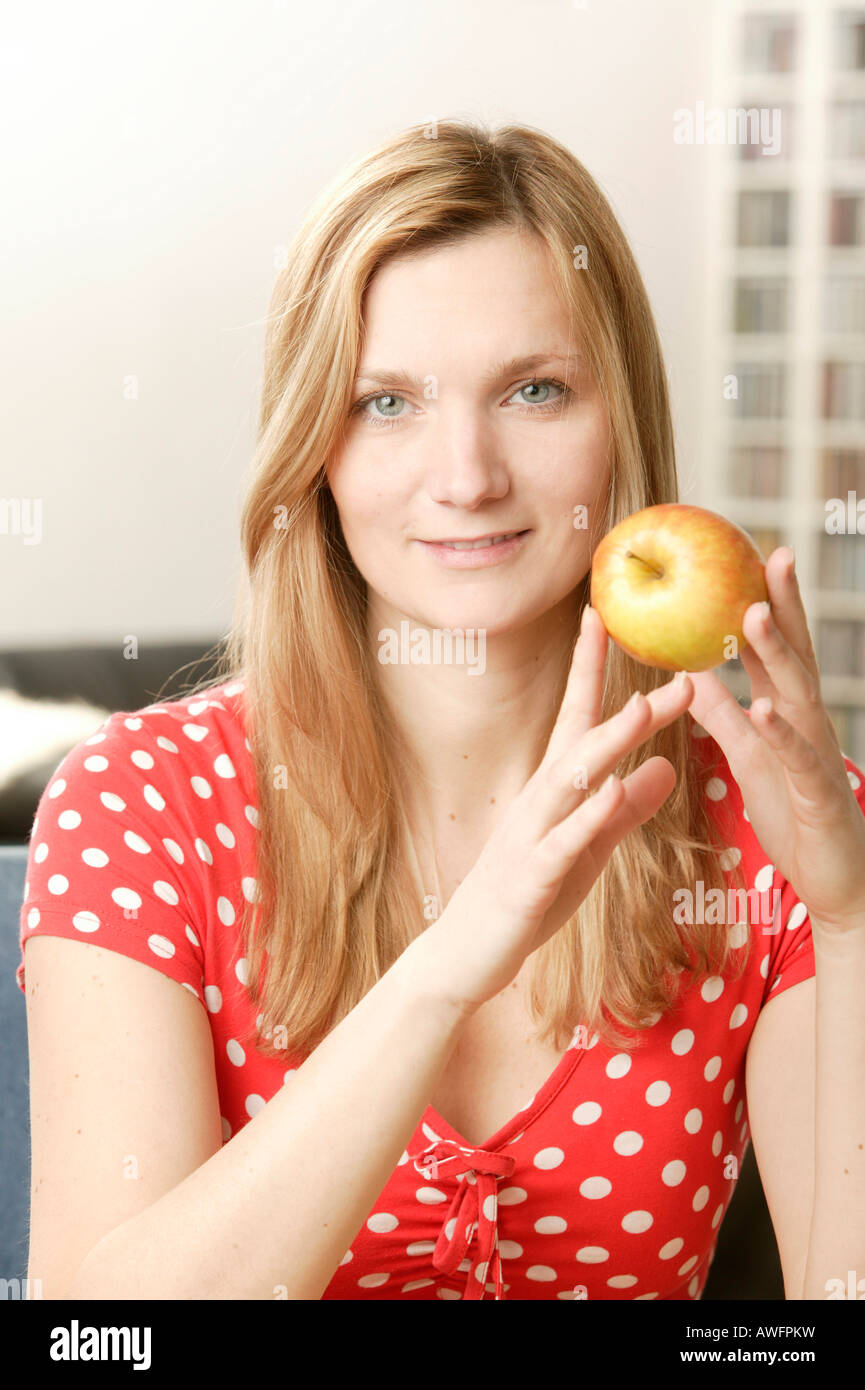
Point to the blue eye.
(381, 420)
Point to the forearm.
(837, 1239)
(278, 1206)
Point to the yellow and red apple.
(672, 583)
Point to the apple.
(671, 584)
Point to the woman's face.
(454, 442)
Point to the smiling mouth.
(483, 543)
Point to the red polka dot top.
(611, 1183)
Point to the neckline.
(520, 1122)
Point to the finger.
(581, 704)
(721, 715)
(788, 609)
(796, 689)
(559, 787)
(643, 792)
(819, 784)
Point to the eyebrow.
(396, 377)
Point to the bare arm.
(279, 1204)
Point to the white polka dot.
(737, 933)
(672, 1173)
(509, 1249)
(69, 820)
(689, 1264)
(174, 850)
(112, 802)
(203, 850)
(712, 988)
(719, 1212)
(251, 815)
(96, 763)
(192, 937)
(587, 1113)
(854, 781)
(154, 798)
(248, 888)
(213, 998)
(223, 766)
(541, 1273)
(33, 917)
(594, 1188)
(372, 1281)
(430, 1196)
(141, 759)
(126, 898)
(628, 1142)
(420, 1247)
(622, 1281)
(550, 1225)
(135, 842)
(133, 723)
(682, 1042)
(195, 731)
(548, 1158)
(226, 1129)
(763, 878)
(729, 858)
(241, 970)
(167, 744)
(98, 737)
(797, 916)
(511, 1196)
(57, 788)
(716, 789)
(694, 1121)
(201, 787)
(658, 1093)
(225, 911)
(41, 853)
(592, 1255)
(738, 1016)
(85, 921)
(95, 858)
(166, 892)
(701, 1197)
(253, 1104)
(671, 1248)
(225, 836)
(161, 946)
(694, 1285)
(737, 1112)
(235, 1052)
(712, 1067)
(618, 1066)
(728, 1090)
(381, 1222)
(717, 1141)
(637, 1221)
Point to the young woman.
(442, 1029)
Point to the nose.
(465, 467)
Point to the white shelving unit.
(819, 45)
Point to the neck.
(469, 742)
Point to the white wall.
(160, 153)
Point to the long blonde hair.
(336, 903)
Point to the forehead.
(477, 292)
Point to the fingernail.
(679, 677)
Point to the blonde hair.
(336, 903)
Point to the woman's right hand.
(554, 839)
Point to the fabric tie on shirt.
(474, 1209)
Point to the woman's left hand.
(787, 760)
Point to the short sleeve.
(106, 861)
(791, 953)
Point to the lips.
(482, 543)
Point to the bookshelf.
(786, 318)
